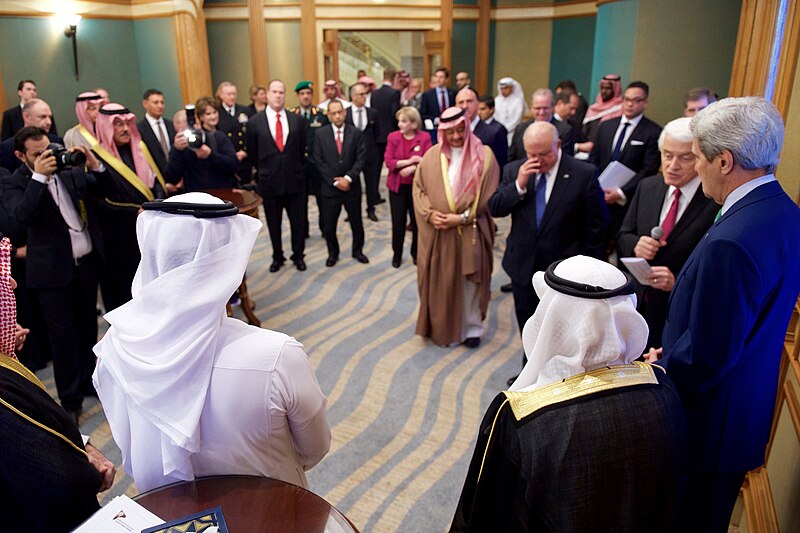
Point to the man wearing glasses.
(631, 139)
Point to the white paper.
(615, 176)
(429, 124)
(120, 515)
(639, 268)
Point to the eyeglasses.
(633, 100)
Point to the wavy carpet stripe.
(449, 415)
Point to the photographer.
(49, 195)
(202, 157)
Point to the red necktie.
(672, 215)
(339, 141)
(444, 104)
(279, 133)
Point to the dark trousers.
(331, 208)
(525, 303)
(71, 320)
(372, 174)
(296, 207)
(402, 206)
(707, 503)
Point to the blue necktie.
(618, 146)
(541, 189)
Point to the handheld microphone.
(657, 233)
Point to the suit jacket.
(642, 216)
(726, 324)
(151, 141)
(330, 164)
(575, 220)
(229, 124)
(429, 104)
(279, 172)
(386, 101)
(13, 122)
(495, 137)
(49, 258)
(369, 134)
(214, 172)
(565, 135)
(639, 154)
(7, 158)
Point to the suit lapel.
(692, 211)
(560, 186)
(655, 201)
(637, 129)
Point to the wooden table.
(247, 202)
(249, 503)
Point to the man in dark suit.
(366, 120)
(276, 146)
(731, 304)
(673, 202)
(314, 118)
(157, 132)
(556, 209)
(631, 139)
(340, 155)
(435, 101)
(35, 113)
(542, 108)
(12, 117)
(63, 255)
(386, 101)
(233, 123)
(492, 135)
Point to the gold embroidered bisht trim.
(524, 404)
(22, 370)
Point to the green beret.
(303, 85)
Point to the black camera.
(196, 137)
(66, 159)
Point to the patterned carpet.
(403, 411)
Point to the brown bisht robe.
(445, 256)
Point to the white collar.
(687, 191)
(742, 190)
(152, 120)
(272, 114)
(474, 122)
(632, 121)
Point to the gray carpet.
(403, 411)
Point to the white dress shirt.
(687, 193)
(78, 234)
(335, 133)
(743, 190)
(272, 116)
(155, 124)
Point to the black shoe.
(505, 288)
(371, 216)
(472, 342)
(361, 258)
(275, 266)
(331, 261)
(396, 263)
(380, 201)
(300, 264)
(510, 381)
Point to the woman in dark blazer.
(404, 150)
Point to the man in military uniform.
(233, 123)
(315, 118)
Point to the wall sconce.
(71, 31)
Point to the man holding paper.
(670, 204)
(631, 140)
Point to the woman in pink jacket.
(404, 150)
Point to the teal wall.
(155, 38)
(571, 54)
(675, 53)
(614, 39)
(36, 48)
(229, 51)
(463, 51)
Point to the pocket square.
(636, 143)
